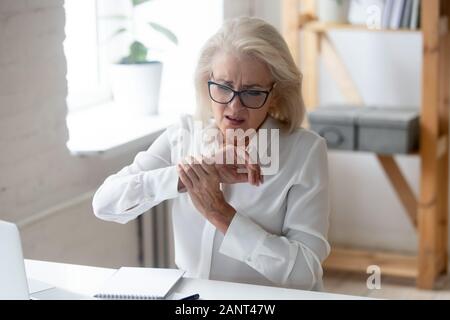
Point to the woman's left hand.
(203, 185)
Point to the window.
(82, 54)
(90, 50)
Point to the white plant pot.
(135, 87)
(333, 11)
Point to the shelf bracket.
(339, 71)
(401, 186)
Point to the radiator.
(156, 237)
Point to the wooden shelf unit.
(429, 212)
(325, 27)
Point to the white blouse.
(278, 235)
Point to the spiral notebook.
(140, 283)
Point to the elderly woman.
(231, 221)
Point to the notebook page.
(134, 283)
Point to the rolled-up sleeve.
(148, 181)
(294, 257)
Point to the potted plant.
(136, 79)
(333, 11)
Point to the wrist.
(222, 217)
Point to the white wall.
(387, 70)
(36, 170)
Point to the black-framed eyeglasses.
(250, 98)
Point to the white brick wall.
(36, 169)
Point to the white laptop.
(13, 279)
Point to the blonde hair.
(254, 36)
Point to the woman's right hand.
(239, 170)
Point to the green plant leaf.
(138, 2)
(138, 53)
(117, 32)
(163, 30)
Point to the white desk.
(86, 280)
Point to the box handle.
(333, 136)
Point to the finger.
(184, 177)
(249, 161)
(210, 160)
(229, 154)
(241, 173)
(253, 170)
(240, 156)
(253, 173)
(249, 173)
(257, 168)
(242, 169)
(198, 169)
(210, 169)
(258, 174)
(187, 168)
(252, 176)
